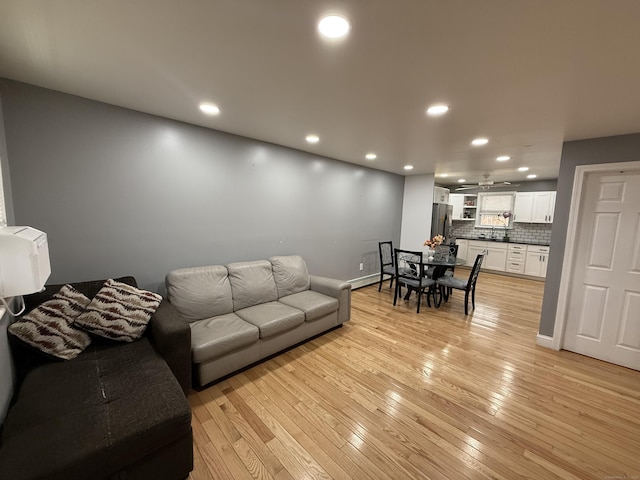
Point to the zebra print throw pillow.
(119, 312)
(48, 327)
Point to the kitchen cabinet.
(496, 257)
(516, 256)
(464, 206)
(543, 207)
(440, 195)
(463, 247)
(534, 207)
(536, 261)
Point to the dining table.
(440, 263)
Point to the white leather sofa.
(244, 312)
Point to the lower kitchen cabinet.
(496, 257)
(536, 261)
(463, 248)
(516, 256)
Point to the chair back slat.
(386, 253)
(409, 264)
(445, 252)
(473, 276)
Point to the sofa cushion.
(48, 327)
(272, 318)
(119, 312)
(94, 415)
(314, 305)
(213, 337)
(252, 283)
(200, 292)
(290, 274)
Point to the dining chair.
(410, 272)
(386, 262)
(468, 285)
(448, 251)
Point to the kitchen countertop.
(499, 240)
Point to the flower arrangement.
(502, 217)
(434, 242)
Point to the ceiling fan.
(487, 184)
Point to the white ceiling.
(527, 74)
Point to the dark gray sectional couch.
(117, 411)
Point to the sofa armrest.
(171, 336)
(336, 289)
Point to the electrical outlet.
(361, 266)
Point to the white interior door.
(603, 315)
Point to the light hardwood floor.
(394, 395)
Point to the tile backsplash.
(520, 233)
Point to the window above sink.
(491, 206)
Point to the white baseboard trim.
(544, 341)
(364, 281)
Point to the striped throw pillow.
(119, 312)
(48, 327)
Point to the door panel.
(601, 255)
(629, 335)
(604, 296)
(592, 314)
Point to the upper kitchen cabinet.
(534, 207)
(464, 206)
(440, 195)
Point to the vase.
(430, 253)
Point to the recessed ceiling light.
(437, 110)
(313, 138)
(461, 180)
(209, 108)
(523, 169)
(443, 175)
(477, 142)
(503, 158)
(533, 175)
(408, 167)
(370, 156)
(334, 26)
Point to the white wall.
(417, 206)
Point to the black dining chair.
(386, 262)
(468, 285)
(410, 272)
(452, 252)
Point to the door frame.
(570, 242)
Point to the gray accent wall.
(622, 148)
(120, 192)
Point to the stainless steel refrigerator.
(441, 220)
